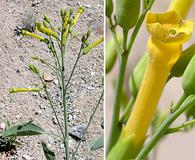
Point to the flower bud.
(88, 33)
(180, 66)
(46, 31)
(81, 9)
(62, 13)
(46, 19)
(127, 13)
(83, 39)
(71, 11)
(137, 75)
(35, 57)
(188, 80)
(90, 47)
(109, 8)
(33, 68)
(45, 24)
(111, 54)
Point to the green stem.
(127, 111)
(116, 41)
(88, 124)
(63, 92)
(75, 64)
(56, 60)
(52, 67)
(144, 5)
(138, 25)
(125, 36)
(64, 104)
(190, 100)
(179, 103)
(116, 128)
(55, 56)
(53, 108)
(182, 126)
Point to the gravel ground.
(86, 86)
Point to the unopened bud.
(33, 68)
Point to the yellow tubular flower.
(80, 11)
(30, 34)
(94, 44)
(66, 19)
(181, 7)
(47, 31)
(168, 33)
(16, 90)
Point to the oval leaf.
(25, 129)
(97, 143)
(50, 155)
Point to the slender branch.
(57, 61)
(180, 127)
(190, 100)
(125, 36)
(144, 5)
(115, 38)
(116, 127)
(52, 67)
(179, 103)
(52, 106)
(64, 103)
(88, 124)
(75, 64)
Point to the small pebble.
(76, 132)
(18, 116)
(70, 117)
(56, 82)
(50, 140)
(21, 58)
(48, 77)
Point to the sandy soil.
(15, 55)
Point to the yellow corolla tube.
(80, 11)
(168, 32)
(182, 7)
(30, 34)
(16, 90)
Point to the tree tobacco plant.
(57, 39)
(163, 60)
